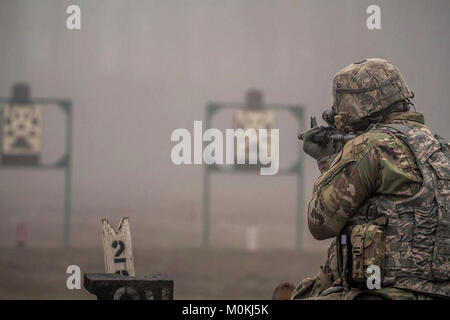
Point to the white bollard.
(252, 238)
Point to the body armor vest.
(417, 229)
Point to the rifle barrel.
(342, 137)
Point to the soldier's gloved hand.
(314, 149)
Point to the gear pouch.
(368, 248)
(440, 267)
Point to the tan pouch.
(368, 248)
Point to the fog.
(137, 70)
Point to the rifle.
(328, 133)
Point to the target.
(21, 134)
(22, 130)
(254, 119)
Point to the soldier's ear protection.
(341, 123)
(340, 120)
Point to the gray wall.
(139, 69)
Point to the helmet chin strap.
(409, 103)
(382, 115)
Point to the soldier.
(384, 198)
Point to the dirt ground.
(34, 273)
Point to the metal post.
(300, 186)
(68, 175)
(206, 222)
(206, 187)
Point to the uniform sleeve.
(339, 191)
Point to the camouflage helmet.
(365, 88)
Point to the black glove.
(314, 149)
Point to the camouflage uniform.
(394, 177)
